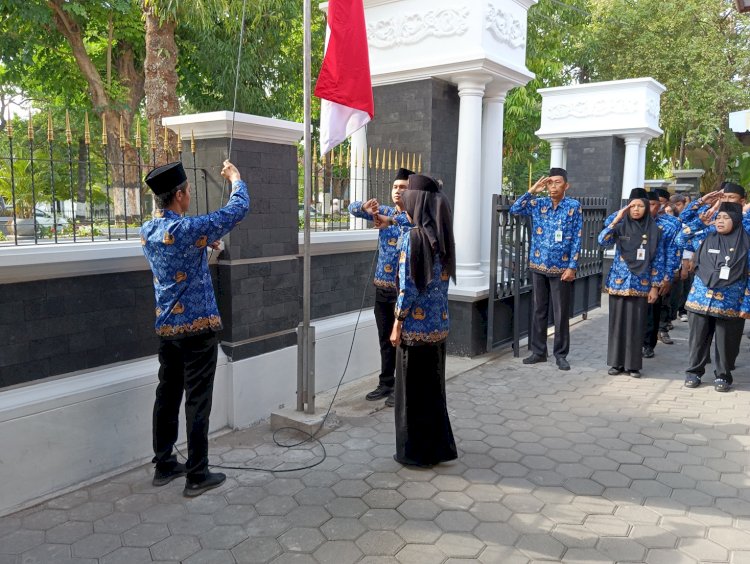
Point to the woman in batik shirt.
(634, 279)
(427, 262)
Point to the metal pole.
(308, 368)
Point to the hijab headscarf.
(634, 233)
(432, 233)
(734, 245)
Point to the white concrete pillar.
(632, 160)
(557, 153)
(492, 168)
(565, 155)
(358, 173)
(642, 162)
(468, 196)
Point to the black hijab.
(432, 233)
(632, 233)
(734, 245)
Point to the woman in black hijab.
(633, 282)
(719, 300)
(427, 262)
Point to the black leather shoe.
(379, 393)
(648, 352)
(211, 481)
(634, 373)
(562, 363)
(534, 359)
(615, 370)
(163, 477)
(390, 401)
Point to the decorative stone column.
(358, 173)
(557, 153)
(632, 159)
(642, 162)
(468, 194)
(492, 168)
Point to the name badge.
(558, 236)
(640, 254)
(714, 251)
(724, 273)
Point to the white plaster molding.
(411, 28)
(336, 242)
(505, 27)
(216, 125)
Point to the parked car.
(46, 219)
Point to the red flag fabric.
(344, 84)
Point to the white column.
(565, 155)
(630, 171)
(557, 153)
(642, 162)
(358, 173)
(492, 168)
(468, 196)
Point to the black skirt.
(627, 323)
(423, 431)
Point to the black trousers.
(544, 289)
(385, 315)
(653, 322)
(188, 365)
(728, 335)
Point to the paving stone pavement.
(576, 467)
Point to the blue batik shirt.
(386, 269)
(691, 217)
(425, 314)
(175, 247)
(729, 301)
(547, 256)
(621, 281)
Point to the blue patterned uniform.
(385, 270)
(546, 256)
(175, 247)
(729, 302)
(621, 281)
(690, 217)
(425, 314)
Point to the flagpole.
(306, 394)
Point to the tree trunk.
(160, 84)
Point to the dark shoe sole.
(614, 371)
(159, 482)
(692, 382)
(634, 374)
(376, 397)
(201, 490)
(534, 361)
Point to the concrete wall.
(595, 168)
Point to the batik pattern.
(621, 281)
(175, 247)
(386, 269)
(545, 255)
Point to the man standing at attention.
(556, 224)
(386, 287)
(187, 318)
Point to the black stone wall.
(419, 117)
(595, 168)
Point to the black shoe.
(534, 359)
(692, 381)
(211, 481)
(648, 352)
(670, 326)
(379, 393)
(634, 373)
(615, 370)
(722, 385)
(562, 363)
(390, 401)
(163, 477)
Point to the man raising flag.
(344, 85)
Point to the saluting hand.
(712, 197)
(539, 186)
(621, 213)
(707, 217)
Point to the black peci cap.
(638, 193)
(559, 172)
(403, 174)
(164, 179)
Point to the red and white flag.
(344, 85)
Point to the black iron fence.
(344, 176)
(57, 190)
(510, 308)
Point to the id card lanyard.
(725, 268)
(559, 232)
(640, 254)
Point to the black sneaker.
(634, 373)
(534, 359)
(390, 401)
(615, 370)
(163, 477)
(648, 352)
(379, 393)
(211, 481)
(562, 363)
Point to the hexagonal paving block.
(622, 549)
(45, 519)
(733, 539)
(245, 495)
(96, 545)
(275, 505)
(256, 550)
(460, 545)
(301, 539)
(420, 554)
(135, 503)
(423, 532)
(206, 504)
(650, 536)
(127, 555)
(341, 552)
(351, 488)
(703, 549)
(116, 523)
(223, 537)
(668, 556)
(607, 525)
(267, 526)
(522, 503)
(575, 536)
(453, 500)
(502, 555)
(69, 532)
(145, 535)
(419, 509)
(417, 490)
(381, 519)
(496, 533)
(176, 547)
(47, 553)
(91, 511)
(541, 546)
(339, 528)
(383, 499)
